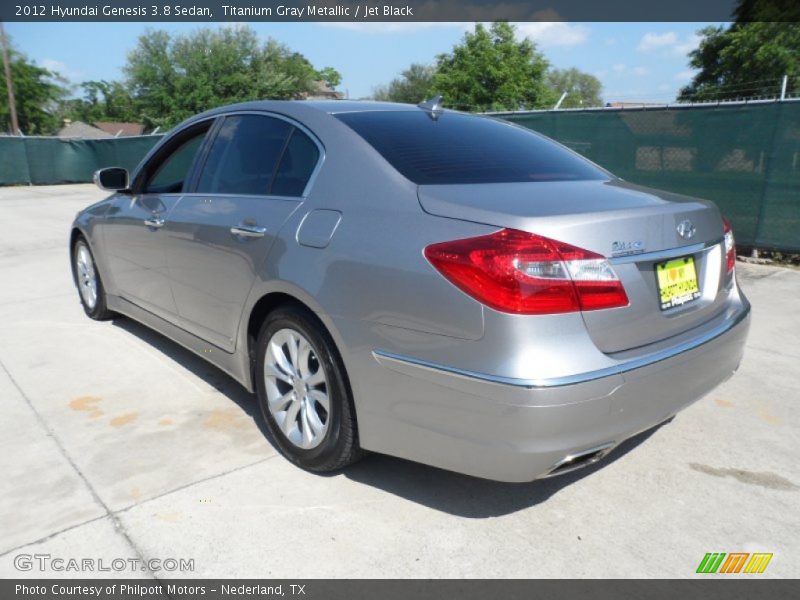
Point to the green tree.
(491, 70)
(747, 59)
(173, 78)
(37, 92)
(412, 87)
(330, 76)
(102, 101)
(583, 89)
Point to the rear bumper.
(519, 430)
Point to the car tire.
(87, 279)
(304, 393)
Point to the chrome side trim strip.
(387, 358)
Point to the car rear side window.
(244, 154)
(457, 148)
(297, 164)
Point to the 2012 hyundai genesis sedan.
(442, 287)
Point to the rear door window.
(458, 148)
(244, 155)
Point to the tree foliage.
(745, 60)
(330, 76)
(101, 101)
(583, 90)
(38, 92)
(491, 70)
(173, 78)
(412, 87)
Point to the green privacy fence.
(744, 157)
(44, 160)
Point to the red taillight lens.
(730, 245)
(518, 272)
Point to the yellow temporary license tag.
(677, 282)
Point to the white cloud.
(691, 42)
(684, 76)
(619, 68)
(381, 27)
(555, 33)
(640, 71)
(655, 41)
(668, 43)
(56, 66)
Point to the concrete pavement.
(117, 443)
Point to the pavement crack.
(118, 526)
(193, 483)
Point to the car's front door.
(218, 235)
(133, 229)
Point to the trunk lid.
(635, 227)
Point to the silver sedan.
(442, 287)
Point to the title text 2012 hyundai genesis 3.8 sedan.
(442, 287)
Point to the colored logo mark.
(735, 562)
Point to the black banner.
(713, 588)
(402, 10)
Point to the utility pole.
(12, 104)
(783, 87)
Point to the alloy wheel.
(297, 388)
(87, 279)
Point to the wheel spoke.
(308, 433)
(293, 343)
(278, 355)
(320, 398)
(316, 379)
(279, 404)
(312, 417)
(304, 353)
(290, 419)
(270, 370)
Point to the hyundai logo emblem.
(686, 229)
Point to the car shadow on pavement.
(445, 491)
(216, 378)
(471, 497)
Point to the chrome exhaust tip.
(573, 462)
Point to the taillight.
(518, 272)
(730, 246)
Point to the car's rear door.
(133, 230)
(254, 175)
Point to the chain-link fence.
(744, 157)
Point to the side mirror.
(112, 179)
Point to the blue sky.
(634, 61)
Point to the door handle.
(154, 222)
(252, 231)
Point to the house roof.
(121, 128)
(79, 129)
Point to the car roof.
(298, 107)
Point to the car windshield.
(457, 148)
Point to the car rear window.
(458, 148)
